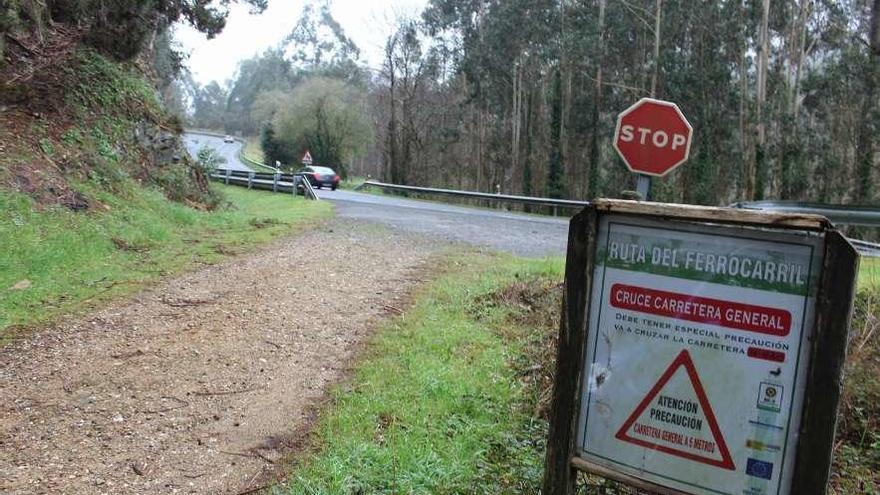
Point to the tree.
(209, 106)
(121, 28)
(328, 118)
(274, 150)
(317, 44)
(866, 146)
(265, 73)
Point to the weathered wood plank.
(707, 213)
(558, 473)
(589, 467)
(825, 382)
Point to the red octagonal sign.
(653, 137)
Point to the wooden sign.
(700, 350)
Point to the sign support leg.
(643, 185)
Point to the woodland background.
(524, 94)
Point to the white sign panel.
(697, 350)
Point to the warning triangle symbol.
(307, 158)
(677, 419)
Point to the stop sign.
(653, 137)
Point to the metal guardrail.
(858, 216)
(838, 214)
(865, 248)
(253, 163)
(565, 203)
(276, 182)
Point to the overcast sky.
(366, 22)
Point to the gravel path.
(200, 384)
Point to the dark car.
(321, 176)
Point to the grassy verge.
(352, 182)
(439, 404)
(452, 397)
(857, 456)
(869, 273)
(55, 261)
(252, 149)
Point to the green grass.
(352, 182)
(869, 273)
(857, 451)
(68, 261)
(439, 404)
(436, 406)
(252, 149)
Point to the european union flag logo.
(759, 469)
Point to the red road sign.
(643, 431)
(653, 137)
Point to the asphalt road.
(195, 142)
(522, 235)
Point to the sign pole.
(643, 185)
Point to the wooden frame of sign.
(749, 403)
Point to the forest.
(522, 96)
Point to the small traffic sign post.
(652, 137)
(700, 350)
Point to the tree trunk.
(593, 189)
(761, 98)
(864, 187)
(656, 68)
(747, 186)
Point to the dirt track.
(200, 384)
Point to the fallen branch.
(249, 491)
(229, 392)
(20, 44)
(182, 303)
(388, 307)
(254, 454)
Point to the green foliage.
(73, 260)
(209, 107)
(274, 150)
(47, 147)
(209, 160)
(438, 405)
(555, 168)
(327, 117)
(118, 91)
(317, 45)
(120, 28)
(266, 73)
(857, 456)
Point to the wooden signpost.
(700, 350)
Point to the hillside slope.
(97, 193)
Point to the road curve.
(195, 142)
(519, 234)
